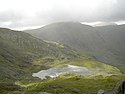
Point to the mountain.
(18, 50)
(106, 43)
(22, 55)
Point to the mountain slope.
(105, 43)
(18, 50)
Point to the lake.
(55, 72)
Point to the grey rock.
(101, 91)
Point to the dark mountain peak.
(69, 24)
(65, 25)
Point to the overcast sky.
(23, 14)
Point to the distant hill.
(106, 43)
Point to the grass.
(68, 83)
(76, 84)
(54, 43)
(87, 62)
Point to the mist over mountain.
(106, 43)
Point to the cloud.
(118, 12)
(30, 13)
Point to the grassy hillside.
(18, 50)
(21, 55)
(76, 84)
(106, 43)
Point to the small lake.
(55, 72)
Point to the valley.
(29, 65)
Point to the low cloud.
(32, 13)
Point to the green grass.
(87, 62)
(76, 84)
(68, 83)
